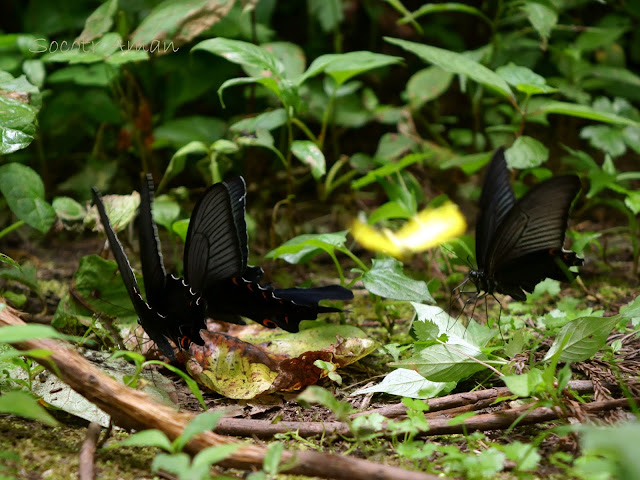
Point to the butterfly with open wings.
(520, 243)
(218, 283)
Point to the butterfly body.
(218, 283)
(520, 243)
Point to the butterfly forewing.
(496, 201)
(536, 223)
(153, 270)
(216, 245)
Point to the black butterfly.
(519, 244)
(218, 283)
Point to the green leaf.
(320, 396)
(121, 210)
(9, 261)
(388, 169)
(179, 159)
(523, 455)
(439, 363)
(632, 309)
(165, 211)
(595, 37)
(181, 131)
(542, 15)
(431, 8)
(456, 63)
(35, 71)
(581, 338)
(177, 464)
(344, 66)
(524, 79)
(146, 438)
(473, 335)
(389, 210)
(98, 75)
(21, 333)
(265, 121)
(215, 454)
(309, 154)
(328, 12)
(290, 55)
(526, 152)
(273, 458)
(617, 444)
(99, 283)
(13, 140)
(408, 383)
(180, 228)
(426, 85)
(264, 139)
(242, 53)
(524, 385)
(584, 111)
(100, 21)
(201, 423)
(68, 209)
(179, 20)
(392, 145)
(606, 138)
(386, 279)
(302, 248)
(24, 405)
(24, 191)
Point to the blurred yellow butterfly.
(428, 228)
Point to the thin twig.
(440, 425)
(467, 398)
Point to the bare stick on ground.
(86, 463)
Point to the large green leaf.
(265, 121)
(526, 152)
(100, 21)
(24, 191)
(180, 131)
(302, 248)
(444, 363)
(24, 405)
(584, 111)
(542, 15)
(242, 53)
(456, 63)
(408, 383)
(581, 338)
(309, 154)
(344, 66)
(386, 279)
(21, 333)
(179, 21)
(427, 84)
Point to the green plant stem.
(305, 130)
(328, 113)
(11, 228)
(356, 260)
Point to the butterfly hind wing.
(153, 271)
(216, 245)
(496, 200)
(284, 308)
